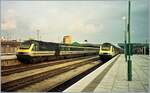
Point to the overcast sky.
(95, 21)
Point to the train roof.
(78, 46)
(40, 41)
(115, 45)
(61, 44)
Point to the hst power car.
(108, 51)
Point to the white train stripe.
(48, 53)
(42, 53)
(76, 52)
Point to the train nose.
(105, 53)
(22, 53)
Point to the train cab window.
(25, 45)
(106, 47)
(67, 48)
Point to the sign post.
(129, 46)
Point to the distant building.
(76, 44)
(138, 48)
(9, 46)
(67, 39)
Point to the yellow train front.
(35, 51)
(24, 51)
(107, 51)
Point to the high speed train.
(38, 51)
(107, 51)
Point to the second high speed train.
(108, 50)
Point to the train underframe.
(105, 58)
(35, 59)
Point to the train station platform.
(9, 60)
(112, 77)
(8, 57)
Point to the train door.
(57, 51)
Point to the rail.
(19, 83)
(24, 67)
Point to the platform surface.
(7, 57)
(116, 80)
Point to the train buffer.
(112, 77)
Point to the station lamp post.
(129, 45)
(125, 38)
(38, 35)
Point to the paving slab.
(140, 77)
(94, 78)
(7, 57)
(116, 80)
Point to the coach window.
(76, 49)
(62, 49)
(71, 49)
(68, 49)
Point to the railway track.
(65, 85)
(24, 67)
(23, 82)
(73, 80)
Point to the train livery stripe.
(42, 53)
(49, 53)
(76, 52)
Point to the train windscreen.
(25, 45)
(105, 47)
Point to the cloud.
(11, 13)
(83, 20)
(9, 22)
(83, 27)
(8, 25)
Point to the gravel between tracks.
(26, 81)
(7, 70)
(16, 76)
(57, 80)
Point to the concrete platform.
(5, 54)
(8, 57)
(9, 60)
(115, 79)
